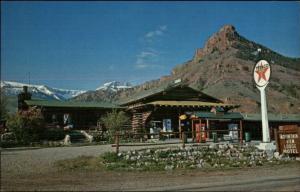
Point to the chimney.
(25, 89)
(25, 95)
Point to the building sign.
(288, 138)
(262, 73)
(167, 125)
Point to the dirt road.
(30, 170)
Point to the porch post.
(241, 131)
(207, 125)
(179, 126)
(200, 131)
(193, 137)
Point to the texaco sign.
(262, 73)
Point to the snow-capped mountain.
(39, 91)
(114, 86)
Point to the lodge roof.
(160, 89)
(190, 104)
(216, 116)
(273, 117)
(71, 104)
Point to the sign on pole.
(261, 75)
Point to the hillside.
(223, 69)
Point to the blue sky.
(81, 45)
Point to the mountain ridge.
(223, 69)
(12, 88)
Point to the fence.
(182, 135)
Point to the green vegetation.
(3, 106)
(12, 104)
(81, 162)
(113, 122)
(248, 48)
(53, 134)
(28, 126)
(291, 90)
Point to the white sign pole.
(264, 115)
(261, 75)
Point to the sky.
(81, 45)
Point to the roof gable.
(170, 91)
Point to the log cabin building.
(81, 115)
(171, 107)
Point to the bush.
(113, 122)
(3, 105)
(99, 136)
(28, 126)
(53, 134)
(9, 143)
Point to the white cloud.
(158, 32)
(145, 54)
(142, 66)
(145, 58)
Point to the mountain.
(107, 92)
(223, 69)
(39, 91)
(114, 86)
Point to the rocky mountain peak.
(227, 29)
(220, 41)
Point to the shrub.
(113, 121)
(3, 105)
(28, 126)
(53, 134)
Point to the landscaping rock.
(213, 146)
(215, 155)
(169, 167)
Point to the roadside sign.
(288, 138)
(262, 73)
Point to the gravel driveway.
(31, 170)
(41, 160)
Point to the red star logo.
(261, 71)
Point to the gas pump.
(200, 132)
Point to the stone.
(266, 146)
(192, 166)
(213, 146)
(206, 165)
(169, 167)
(67, 140)
(148, 151)
(277, 155)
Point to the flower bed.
(213, 156)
